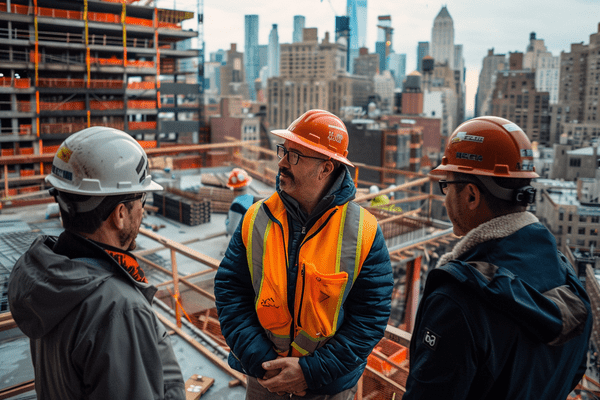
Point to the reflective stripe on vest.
(319, 290)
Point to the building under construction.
(68, 65)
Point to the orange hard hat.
(488, 146)
(321, 131)
(238, 178)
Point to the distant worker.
(380, 200)
(82, 298)
(304, 290)
(238, 181)
(503, 316)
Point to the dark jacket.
(337, 365)
(503, 317)
(93, 332)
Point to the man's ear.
(327, 169)
(473, 196)
(117, 217)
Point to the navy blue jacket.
(338, 365)
(504, 317)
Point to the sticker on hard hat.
(337, 127)
(64, 154)
(512, 127)
(526, 153)
(335, 137)
(526, 165)
(460, 136)
(61, 173)
(467, 156)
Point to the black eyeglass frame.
(444, 184)
(286, 152)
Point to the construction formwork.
(66, 66)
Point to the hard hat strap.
(73, 207)
(524, 195)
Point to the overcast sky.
(479, 25)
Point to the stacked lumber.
(182, 209)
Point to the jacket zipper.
(302, 271)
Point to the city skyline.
(479, 25)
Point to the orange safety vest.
(330, 256)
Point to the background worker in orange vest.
(503, 316)
(304, 290)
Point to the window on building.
(594, 232)
(561, 216)
(592, 243)
(580, 242)
(582, 218)
(581, 231)
(570, 217)
(595, 219)
(575, 162)
(560, 228)
(568, 230)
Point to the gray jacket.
(94, 334)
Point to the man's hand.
(288, 376)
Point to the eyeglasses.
(126, 200)
(131, 199)
(444, 184)
(293, 157)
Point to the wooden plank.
(186, 251)
(196, 386)
(207, 353)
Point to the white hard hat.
(101, 161)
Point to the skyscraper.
(397, 65)
(251, 62)
(299, 23)
(357, 12)
(442, 38)
(273, 57)
(422, 51)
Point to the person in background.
(82, 298)
(304, 290)
(238, 181)
(503, 316)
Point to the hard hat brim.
(285, 134)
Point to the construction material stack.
(185, 210)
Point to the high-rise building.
(397, 65)
(535, 49)
(422, 51)
(357, 12)
(516, 99)
(100, 68)
(492, 63)
(233, 82)
(299, 24)
(547, 73)
(342, 35)
(366, 64)
(384, 88)
(251, 63)
(442, 38)
(313, 75)
(579, 92)
(273, 55)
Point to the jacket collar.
(496, 228)
(341, 191)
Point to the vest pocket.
(272, 309)
(322, 301)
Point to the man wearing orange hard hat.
(503, 315)
(304, 290)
